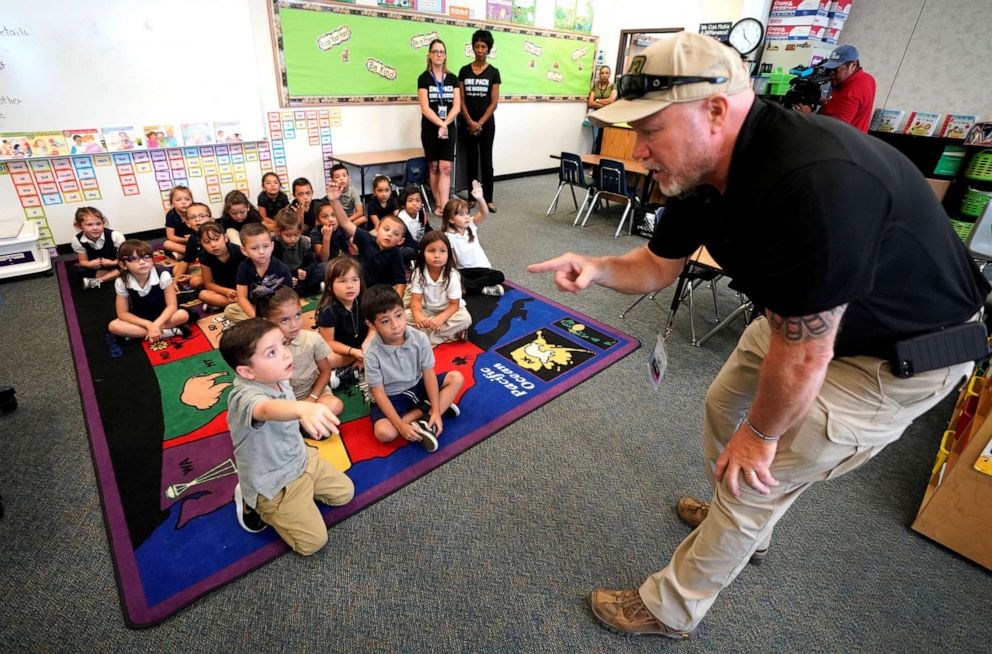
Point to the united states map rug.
(163, 455)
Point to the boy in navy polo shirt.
(260, 275)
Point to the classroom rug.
(156, 416)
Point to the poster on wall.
(501, 10)
(434, 6)
(583, 16)
(160, 136)
(565, 15)
(121, 138)
(197, 133)
(227, 132)
(83, 141)
(524, 11)
(17, 145)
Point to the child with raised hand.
(379, 255)
(258, 275)
(293, 249)
(271, 199)
(327, 237)
(382, 203)
(312, 370)
(340, 321)
(399, 368)
(351, 199)
(462, 230)
(279, 476)
(176, 231)
(237, 213)
(219, 261)
(146, 298)
(435, 305)
(196, 215)
(95, 246)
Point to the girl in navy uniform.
(440, 102)
(146, 297)
(176, 230)
(271, 200)
(237, 213)
(95, 246)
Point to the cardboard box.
(793, 32)
(939, 187)
(841, 7)
(955, 511)
(798, 7)
(819, 19)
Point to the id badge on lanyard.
(442, 109)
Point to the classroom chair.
(415, 172)
(613, 185)
(572, 173)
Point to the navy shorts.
(403, 402)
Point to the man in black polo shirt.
(840, 238)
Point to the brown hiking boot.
(692, 512)
(623, 611)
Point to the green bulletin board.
(333, 53)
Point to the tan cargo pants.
(860, 409)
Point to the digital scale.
(20, 252)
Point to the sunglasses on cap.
(630, 87)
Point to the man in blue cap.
(852, 96)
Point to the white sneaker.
(496, 290)
(90, 282)
(335, 382)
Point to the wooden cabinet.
(618, 142)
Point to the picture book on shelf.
(922, 123)
(979, 134)
(890, 120)
(956, 126)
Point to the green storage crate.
(974, 202)
(980, 167)
(962, 228)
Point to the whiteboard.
(66, 64)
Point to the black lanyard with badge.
(442, 108)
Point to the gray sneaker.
(496, 290)
(90, 282)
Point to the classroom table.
(365, 160)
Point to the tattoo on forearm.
(813, 326)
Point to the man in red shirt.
(852, 98)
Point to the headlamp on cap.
(632, 86)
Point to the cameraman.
(852, 96)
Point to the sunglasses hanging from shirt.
(630, 87)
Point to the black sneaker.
(248, 517)
(113, 346)
(347, 377)
(451, 412)
(185, 330)
(428, 434)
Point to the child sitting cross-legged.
(146, 298)
(96, 246)
(312, 369)
(279, 476)
(399, 368)
(293, 249)
(434, 296)
(219, 262)
(259, 275)
(379, 255)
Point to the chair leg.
(589, 210)
(649, 296)
(676, 301)
(692, 322)
(571, 187)
(554, 202)
(716, 309)
(623, 217)
(582, 206)
(427, 203)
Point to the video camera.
(807, 87)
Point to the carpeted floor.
(497, 550)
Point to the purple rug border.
(137, 613)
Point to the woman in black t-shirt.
(440, 102)
(479, 84)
